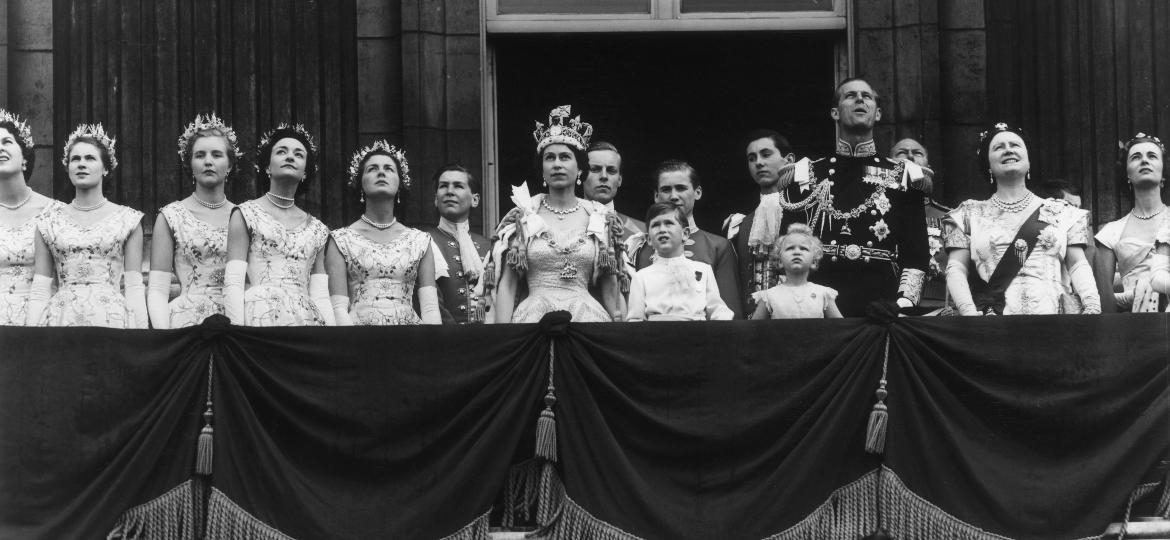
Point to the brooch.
(880, 230)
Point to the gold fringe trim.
(476, 530)
(226, 520)
(171, 516)
(852, 512)
(576, 523)
(520, 494)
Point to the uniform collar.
(691, 225)
(863, 149)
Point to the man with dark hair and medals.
(754, 235)
(867, 210)
(456, 193)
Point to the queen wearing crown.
(1015, 253)
(19, 208)
(276, 247)
(376, 264)
(552, 248)
(92, 247)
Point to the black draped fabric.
(401, 432)
(718, 430)
(1030, 426)
(1027, 427)
(93, 422)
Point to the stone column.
(28, 84)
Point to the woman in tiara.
(278, 247)
(376, 263)
(89, 246)
(190, 235)
(1021, 246)
(1127, 245)
(19, 208)
(556, 245)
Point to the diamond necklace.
(561, 213)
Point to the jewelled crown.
(22, 130)
(95, 132)
(1141, 138)
(563, 130)
(208, 122)
(398, 154)
(267, 138)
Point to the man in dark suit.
(678, 183)
(754, 235)
(456, 193)
(603, 182)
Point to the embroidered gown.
(89, 262)
(17, 248)
(560, 270)
(200, 257)
(1133, 256)
(382, 275)
(1040, 286)
(280, 261)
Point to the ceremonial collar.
(691, 224)
(863, 149)
(609, 206)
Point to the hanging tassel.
(546, 429)
(546, 425)
(204, 451)
(205, 448)
(489, 276)
(875, 432)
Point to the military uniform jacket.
(704, 247)
(871, 222)
(456, 297)
(630, 226)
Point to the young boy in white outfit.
(673, 287)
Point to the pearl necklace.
(1014, 206)
(1151, 216)
(89, 208)
(561, 213)
(379, 226)
(21, 203)
(272, 198)
(212, 206)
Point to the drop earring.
(990, 177)
(362, 197)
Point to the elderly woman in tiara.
(555, 245)
(275, 244)
(376, 263)
(90, 246)
(1126, 246)
(1020, 248)
(20, 207)
(190, 235)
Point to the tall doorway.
(658, 96)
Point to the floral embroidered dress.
(200, 257)
(1040, 286)
(16, 268)
(1133, 256)
(559, 267)
(90, 262)
(280, 260)
(382, 275)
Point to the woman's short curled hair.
(988, 135)
(269, 140)
(30, 155)
(581, 156)
(404, 186)
(233, 153)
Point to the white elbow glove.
(319, 294)
(234, 275)
(135, 293)
(1086, 288)
(959, 288)
(341, 309)
(38, 299)
(428, 305)
(158, 296)
(1160, 273)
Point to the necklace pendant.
(845, 230)
(568, 271)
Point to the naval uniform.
(871, 221)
